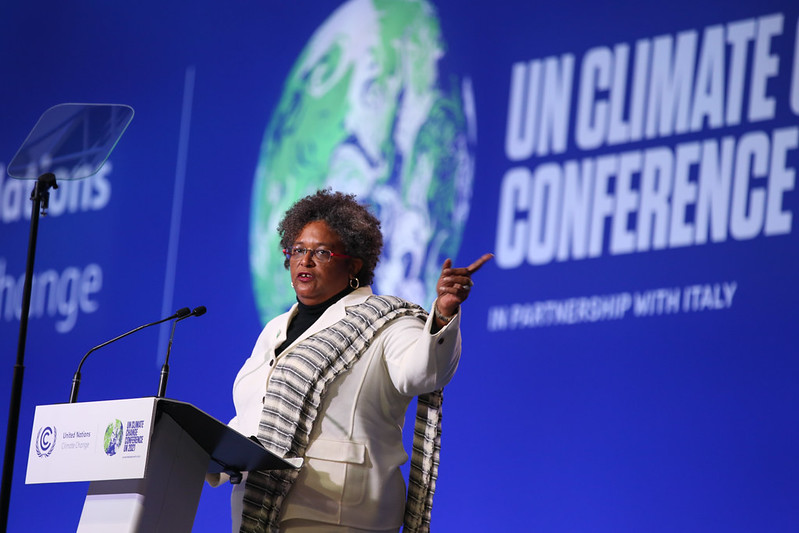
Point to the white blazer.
(351, 473)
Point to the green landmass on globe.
(365, 110)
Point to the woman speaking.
(331, 379)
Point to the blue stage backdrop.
(630, 355)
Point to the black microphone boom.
(73, 395)
(197, 311)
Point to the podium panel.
(90, 441)
(146, 459)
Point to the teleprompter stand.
(69, 142)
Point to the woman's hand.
(454, 286)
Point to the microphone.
(73, 395)
(197, 311)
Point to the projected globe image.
(367, 110)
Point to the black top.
(306, 316)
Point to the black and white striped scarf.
(292, 404)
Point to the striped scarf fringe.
(424, 463)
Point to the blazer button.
(272, 362)
(441, 340)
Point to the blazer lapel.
(334, 313)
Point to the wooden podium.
(146, 459)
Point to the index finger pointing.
(474, 267)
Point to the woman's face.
(315, 281)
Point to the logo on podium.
(45, 441)
(113, 437)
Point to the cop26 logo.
(45, 441)
(112, 439)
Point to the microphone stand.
(197, 311)
(41, 199)
(73, 393)
(165, 368)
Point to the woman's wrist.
(441, 316)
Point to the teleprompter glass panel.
(71, 140)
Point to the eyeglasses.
(323, 256)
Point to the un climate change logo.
(113, 437)
(367, 110)
(45, 441)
